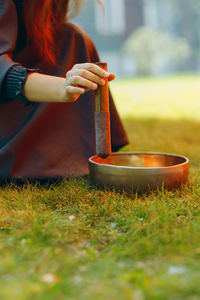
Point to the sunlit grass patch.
(175, 97)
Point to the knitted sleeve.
(14, 82)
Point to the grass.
(73, 241)
(175, 97)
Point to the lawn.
(73, 241)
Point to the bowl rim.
(186, 162)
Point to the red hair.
(42, 19)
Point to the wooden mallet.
(102, 118)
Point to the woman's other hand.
(82, 78)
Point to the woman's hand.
(82, 78)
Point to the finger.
(93, 68)
(75, 90)
(90, 76)
(111, 77)
(78, 80)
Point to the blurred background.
(153, 46)
(145, 37)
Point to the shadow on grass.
(170, 136)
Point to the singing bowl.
(139, 171)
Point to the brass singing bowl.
(138, 172)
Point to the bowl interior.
(140, 160)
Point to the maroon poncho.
(47, 140)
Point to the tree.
(186, 24)
(155, 51)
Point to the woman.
(47, 83)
